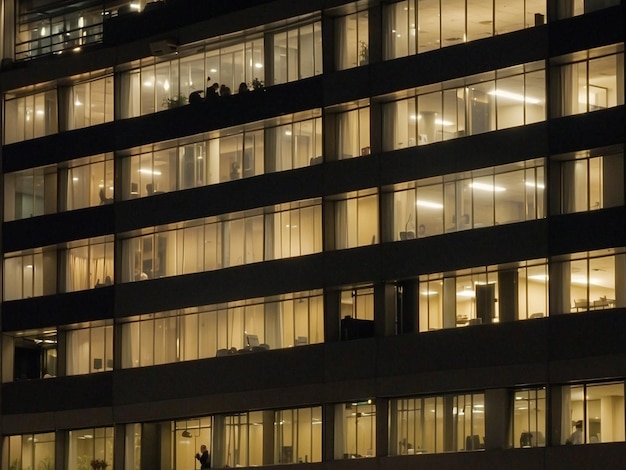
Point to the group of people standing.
(214, 91)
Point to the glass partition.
(90, 102)
(29, 193)
(76, 184)
(282, 231)
(492, 294)
(298, 435)
(89, 181)
(590, 80)
(87, 445)
(293, 145)
(590, 181)
(358, 303)
(296, 53)
(30, 273)
(460, 201)
(237, 63)
(158, 84)
(223, 155)
(529, 418)
(186, 438)
(28, 451)
(588, 280)
(51, 27)
(467, 106)
(237, 327)
(250, 438)
(353, 132)
(356, 219)
(355, 430)
(88, 263)
(89, 350)
(352, 41)
(415, 26)
(33, 115)
(592, 413)
(437, 424)
(31, 354)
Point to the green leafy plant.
(98, 464)
(83, 462)
(257, 84)
(364, 53)
(46, 464)
(174, 101)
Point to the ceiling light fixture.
(513, 96)
(428, 204)
(486, 187)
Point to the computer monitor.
(252, 340)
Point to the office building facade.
(393, 237)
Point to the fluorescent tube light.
(513, 96)
(487, 187)
(428, 204)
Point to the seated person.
(195, 97)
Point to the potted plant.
(175, 101)
(46, 464)
(257, 84)
(364, 53)
(99, 464)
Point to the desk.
(603, 302)
(597, 304)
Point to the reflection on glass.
(437, 424)
(216, 330)
(484, 198)
(485, 103)
(416, 26)
(529, 418)
(592, 413)
(468, 297)
(355, 430)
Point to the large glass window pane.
(429, 25)
(592, 413)
(484, 191)
(453, 22)
(529, 418)
(86, 445)
(509, 191)
(479, 19)
(355, 430)
(535, 97)
(509, 94)
(430, 125)
(482, 107)
(429, 204)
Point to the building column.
(7, 24)
(497, 419)
(382, 422)
(508, 301)
(559, 294)
(268, 439)
(408, 306)
(375, 33)
(328, 37)
(333, 424)
(61, 445)
(384, 309)
(119, 443)
(332, 315)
